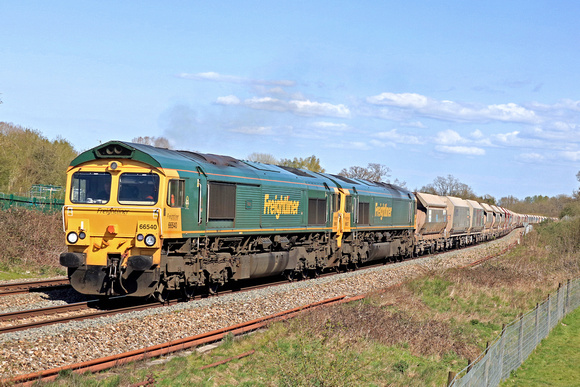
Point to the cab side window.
(176, 193)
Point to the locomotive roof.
(157, 157)
(210, 163)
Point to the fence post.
(537, 325)
(450, 378)
(501, 351)
(521, 339)
(558, 302)
(486, 372)
(567, 305)
(549, 312)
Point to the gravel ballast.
(62, 344)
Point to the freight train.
(143, 221)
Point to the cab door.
(341, 219)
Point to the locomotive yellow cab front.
(112, 221)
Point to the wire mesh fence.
(519, 339)
(42, 204)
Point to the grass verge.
(555, 361)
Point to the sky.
(488, 92)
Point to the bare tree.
(449, 186)
(265, 158)
(373, 172)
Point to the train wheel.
(188, 292)
(213, 288)
(161, 294)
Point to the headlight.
(72, 237)
(140, 237)
(150, 240)
(82, 235)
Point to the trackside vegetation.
(31, 243)
(410, 335)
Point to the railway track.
(172, 346)
(96, 308)
(33, 286)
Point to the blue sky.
(488, 92)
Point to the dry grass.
(409, 329)
(31, 240)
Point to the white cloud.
(216, 77)
(563, 104)
(309, 108)
(352, 145)
(449, 137)
(266, 103)
(510, 112)
(298, 107)
(531, 157)
(453, 111)
(381, 144)
(477, 134)
(324, 126)
(563, 126)
(396, 137)
(463, 150)
(403, 100)
(414, 124)
(571, 155)
(260, 130)
(228, 100)
(507, 138)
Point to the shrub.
(31, 240)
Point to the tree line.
(28, 158)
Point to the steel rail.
(32, 286)
(172, 346)
(69, 308)
(480, 261)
